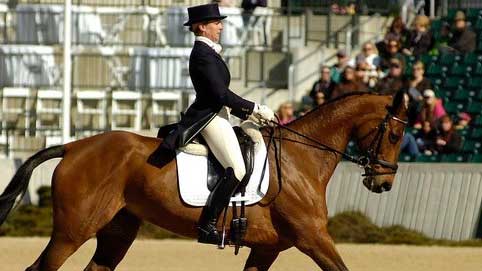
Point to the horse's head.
(379, 139)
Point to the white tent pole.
(67, 71)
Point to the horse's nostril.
(387, 186)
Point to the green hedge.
(354, 227)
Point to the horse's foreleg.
(260, 259)
(57, 251)
(113, 241)
(321, 248)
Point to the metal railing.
(140, 26)
(96, 69)
(463, 3)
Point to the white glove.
(263, 113)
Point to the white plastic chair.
(165, 105)
(49, 103)
(99, 111)
(135, 110)
(12, 94)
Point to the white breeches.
(222, 141)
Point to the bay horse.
(105, 186)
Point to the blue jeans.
(409, 145)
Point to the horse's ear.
(398, 102)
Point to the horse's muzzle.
(370, 184)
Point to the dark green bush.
(44, 196)
(354, 227)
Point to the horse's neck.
(331, 125)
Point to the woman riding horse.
(209, 114)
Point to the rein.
(364, 161)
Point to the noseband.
(371, 155)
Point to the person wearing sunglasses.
(394, 81)
(392, 51)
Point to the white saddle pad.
(192, 171)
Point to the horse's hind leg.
(113, 241)
(260, 259)
(77, 217)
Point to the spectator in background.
(432, 109)
(303, 110)
(418, 82)
(392, 51)
(319, 99)
(324, 85)
(397, 31)
(442, 40)
(348, 83)
(463, 39)
(448, 141)
(394, 81)
(417, 85)
(463, 121)
(368, 55)
(286, 113)
(420, 40)
(367, 76)
(339, 67)
(409, 145)
(426, 138)
(361, 72)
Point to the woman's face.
(418, 71)
(420, 28)
(398, 25)
(392, 47)
(212, 30)
(429, 100)
(286, 111)
(325, 74)
(368, 49)
(446, 125)
(427, 127)
(349, 74)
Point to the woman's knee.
(239, 172)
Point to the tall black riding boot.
(217, 201)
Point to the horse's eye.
(393, 138)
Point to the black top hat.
(203, 13)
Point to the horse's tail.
(19, 183)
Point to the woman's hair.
(445, 118)
(195, 29)
(397, 22)
(421, 20)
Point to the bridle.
(371, 156)
(367, 160)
